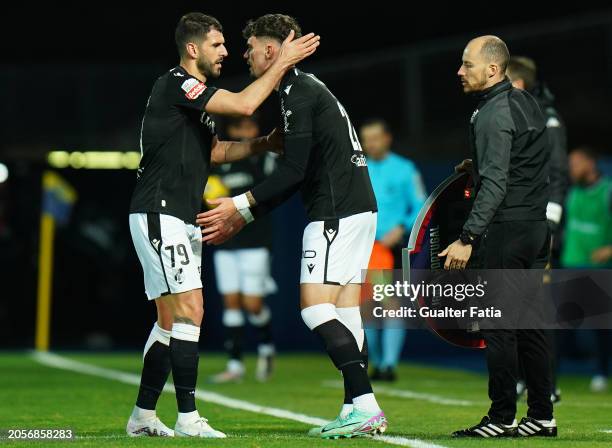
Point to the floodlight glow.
(94, 160)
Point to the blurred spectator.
(242, 265)
(400, 194)
(522, 72)
(588, 235)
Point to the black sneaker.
(487, 429)
(375, 374)
(529, 427)
(388, 374)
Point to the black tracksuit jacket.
(511, 152)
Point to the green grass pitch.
(96, 409)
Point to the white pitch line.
(59, 362)
(607, 431)
(403, 393)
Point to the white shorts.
(245, 271)
(336, 251)
(170, 252)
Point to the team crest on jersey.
(359, 160)
(473, 117)
(193, 88)
(179, 276)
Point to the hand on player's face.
(457, 255)
(223, 209)
(220, 231)
(294, 50)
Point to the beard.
(207, 68)
(476, 85)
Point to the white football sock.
(346, 410)
(143, 414)
(185, 418)
(157, 334)
(351, 318)
(366, 402)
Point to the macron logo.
(311, 267)
(288, 88)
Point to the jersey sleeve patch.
(193, 88)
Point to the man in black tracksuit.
(523, 74)
(509, 142)
(522, 71)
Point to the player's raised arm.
(248, 100)
(285, 181)
(228, 151)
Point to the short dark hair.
(522, 67)
(588, 151)
(495, 49)
(376, 121)
(194, 25)
(276, 26)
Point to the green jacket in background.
(588, 224)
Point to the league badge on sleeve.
(193, 88)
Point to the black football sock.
(184, 358)
(156, 368)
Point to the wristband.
(241, 202)
(247, 215)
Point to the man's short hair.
(194, 26)
(588, 151)
(376, 121)
(495, 50)
(276, 26)
(521, 67)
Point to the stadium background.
(77, 79)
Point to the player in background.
(242, 265)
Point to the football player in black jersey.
(242, 265)
(324, 160)
(178, 144)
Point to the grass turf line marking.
(59, 362)
(403, 393)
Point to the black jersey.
(175, 143)
(322, 158)
(240, 177)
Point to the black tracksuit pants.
(518, 245)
